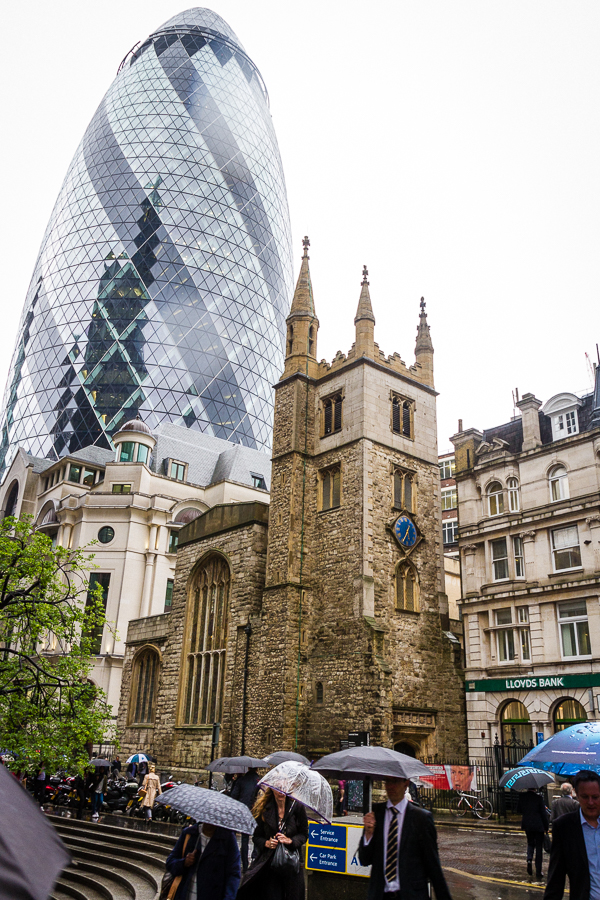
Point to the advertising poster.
(451, 778)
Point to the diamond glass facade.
(164, 277)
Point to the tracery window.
(332, 414)
(402, 416)
(404, 483)
(207, 639)
(331, 482)
(145, 679)
(407, 588)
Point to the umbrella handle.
(367, 795)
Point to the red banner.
(451, 778)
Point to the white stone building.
(132, 502)
(529, 537)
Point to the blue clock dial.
(405, 531)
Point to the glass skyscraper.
(164, 277)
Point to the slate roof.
(209, 459)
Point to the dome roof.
(135, 425)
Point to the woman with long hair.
(279, 820)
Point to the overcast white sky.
(451, 145)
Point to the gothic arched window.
(206, 642)
(144, 683)
(407, 588)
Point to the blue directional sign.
(326, 858)
(327, 835)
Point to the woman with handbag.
(151, 787)
(276, 871)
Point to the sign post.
(334, 848)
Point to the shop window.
(574, 628)
(568, 712)
(513, 495)
(145, 678)
(565, 548)
(331, 488)
(332, 414)
(559, 484)
(404, 483)
(206, 633)
(407, 588)
(495, 499)
(516, 726)
(402, 416)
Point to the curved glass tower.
(164, 277)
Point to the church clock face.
(405, 531)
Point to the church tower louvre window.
(402, 416)
(332, 414)
(206, 634)
(407, 588)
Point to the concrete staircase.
(110, 862)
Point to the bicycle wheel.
(483, 809)
(457, 807)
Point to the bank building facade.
(324, 612)
(529, 538)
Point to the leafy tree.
(50, 620)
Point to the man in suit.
(399, 842)
(576, 845)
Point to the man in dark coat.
(207, 860)
(534, 823)
(244, 790)
(566, 803)
(399, 842)
(576, 845)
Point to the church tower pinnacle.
(364, 320)
(424, 347)
(302, 324)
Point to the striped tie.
(391, 855)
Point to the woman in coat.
(534, 823)
(205, 863)
(279, 819)
(152, 787)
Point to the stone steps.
(110, 863)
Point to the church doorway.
(406, 748)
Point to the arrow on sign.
(313, 857)
(314, 833)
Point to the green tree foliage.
(49, 625)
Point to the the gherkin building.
(164, 277)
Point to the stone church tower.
(354, 613)
(324, 613)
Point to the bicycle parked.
(459, 805)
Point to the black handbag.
(547, 843)
(286, 862)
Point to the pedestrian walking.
(142, 772)
(535, 824)
(116, 767)
(40, 785)
(151, 785)
(576, 844)
(204, 863)
(342, 802)
(565, 803)
(99, 787)
(244, 789)
(279, 820)
(399, 842)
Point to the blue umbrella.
(568, 752)
(137, 758)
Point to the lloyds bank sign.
(534, 683)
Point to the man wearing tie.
(399, 842)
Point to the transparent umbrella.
(304, 785)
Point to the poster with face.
(451, 778)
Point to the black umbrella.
(209, 807)
(273, 759)
(525, 778)
(370, 762)
(100, 763)
(233, 765)
(26, 875)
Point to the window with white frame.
(513, 494)
(499, 559)
(449, 498)
(518, 556)
(559, 483)
(565, 424)
(566, 553)
(447, 468)
(574, 630)
(513, 642)
(495, 499)
(450, 531)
